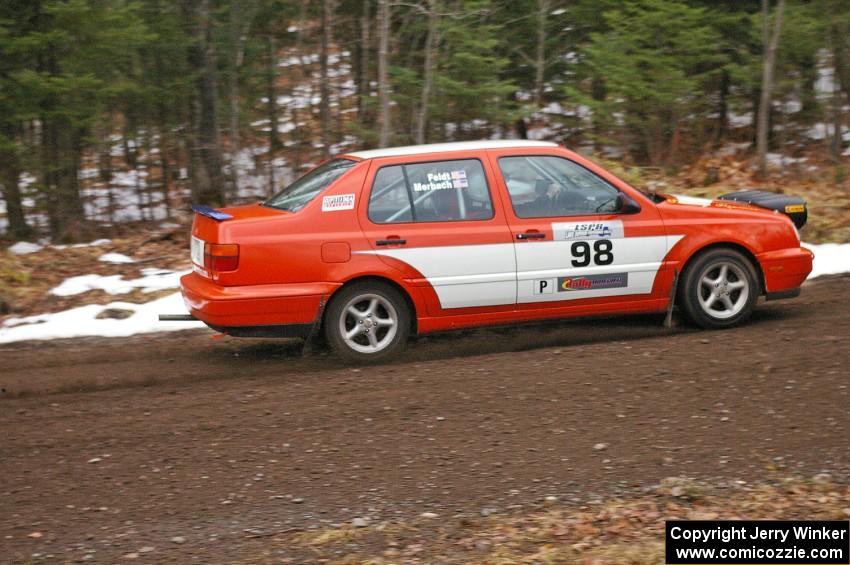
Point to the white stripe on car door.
(464, 275)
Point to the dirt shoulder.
(179, 447)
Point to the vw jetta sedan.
(373, 246)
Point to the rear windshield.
(301, 192)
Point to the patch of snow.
(733, 148)
(25, 248)
(83, 321)
(825, 83)
(554, 108)
(95, 243)
(115, 258)
(778, 160)
(792, 106)
(540, 133)
(818, 131)
(739, 120)
(830, 258)
(152, 280)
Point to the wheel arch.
(742, 249)
(384, 280)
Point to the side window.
(545, 186)
(390, 201)
(439, 191)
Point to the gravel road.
(178, 447)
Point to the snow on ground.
(25, 248)
(94, 243)
(152, 280)
(830, 258)
(116, 258)
(83, 321)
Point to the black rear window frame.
(351, 163)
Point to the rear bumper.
(231, 309)
(786, 269)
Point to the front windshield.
(301, 192)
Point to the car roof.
(446, 147)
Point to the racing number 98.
(601, 254)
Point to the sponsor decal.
(795, 208)
(338, 202)
(564, 231)
(443, 181)
(593, 282)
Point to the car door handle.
(391, 241)
(531, 235)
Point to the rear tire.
(368, 321)
(720, 289)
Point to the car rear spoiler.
(792, 206)
(210, 212)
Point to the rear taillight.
(221, 256)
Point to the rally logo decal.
(593, 282)
(338, 202)
(565, 231)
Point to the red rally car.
(373, 246)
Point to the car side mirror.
(626, 204)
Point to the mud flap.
(668, 318)
(312, 338)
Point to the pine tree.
(654, 61)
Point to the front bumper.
(231, 307)
(786, 269)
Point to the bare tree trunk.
(104, 164)
(165, 169)
(10, 173)
(543, 7)
(722, 109)
(770, 41)
(131, 158)
(303, 71)
(324, 86)
(383, 82)
(431, 42)
(271, 110)
(836, 147)
(363, 87)
(162, 122)
(837, 67)
(207, 178)
(60, 158)
(840, 45)
(148, 160)
(240, 20)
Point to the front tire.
(368, 321)
(720, 289)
